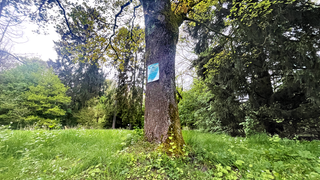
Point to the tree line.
(257, 68)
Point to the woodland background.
(255, 68)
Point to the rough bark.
(162, 123)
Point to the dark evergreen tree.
(84, 77)
(264, 71)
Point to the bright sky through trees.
(39, 45)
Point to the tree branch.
(193, 20)
(134, 17)
(115, 26)
(5, 30)
(66, 19)
(2, 51)
(179, 94)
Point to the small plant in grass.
(133, 137)
(249, 125)
(5, 127)
(93, 172)
(170, 147)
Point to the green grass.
(122, 154)
(260, 156)
(58, 154)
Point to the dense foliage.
(264, 70)
(98, 112)
(85, 78)
(194, 108)
(32, 94)
(128, 56)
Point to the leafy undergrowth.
(121, 154)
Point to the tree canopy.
(32, 94)
(267, 67)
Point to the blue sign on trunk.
(153, 72)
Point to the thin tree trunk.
(134, 70)
(162, 123)
(143, 78)
(114, 116)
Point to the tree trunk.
(162, 123)
(143, 78)
(114, 115)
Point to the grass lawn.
(122, 154)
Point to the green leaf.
(239, 162)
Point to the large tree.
(266, 74)
(162, 21)
(85, 77)
(162, 123)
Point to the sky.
(38, 45)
